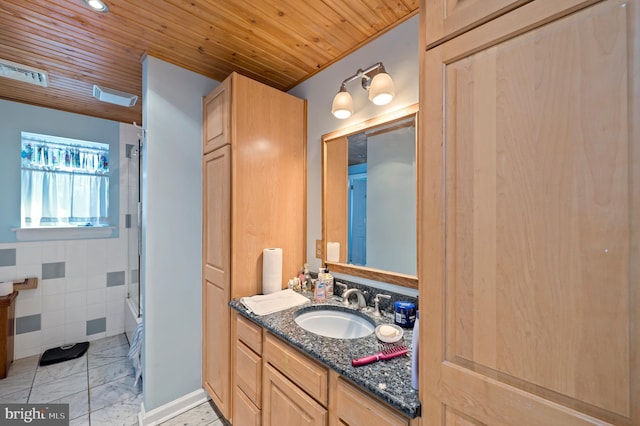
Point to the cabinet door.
(216, 242)
(444, 19)
(530, 202)
(245, 413)
(216, 117)
(356, 408)
(284, 404)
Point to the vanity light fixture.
(374, 79)
(97, 5)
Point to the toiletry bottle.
(306, 282)
(328, 282)
(319, 294)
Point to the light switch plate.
(319, 249)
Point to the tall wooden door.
(530, 207)
(216, 264)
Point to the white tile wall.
(66, 304)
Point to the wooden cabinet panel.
(245, 413)
(249, 333)
(254, 183)
(337, 184)
(284, 404)
(248, 367)
(307, 374)
(269, 177)
(356, 408)
(216, 339)
(216, 312)
(216, 115)
(7, 331)
(444, 19)
(530, 223)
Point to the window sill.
(64, 233)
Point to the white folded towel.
(274, 302)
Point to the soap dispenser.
(319, 292)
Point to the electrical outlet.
(319, 249)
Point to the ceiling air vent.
(113, 96)
(23, 73)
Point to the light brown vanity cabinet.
(297, 390)
(254, 186)
(294, 387)
(529, 202)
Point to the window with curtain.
(65, 182)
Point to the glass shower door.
(133, 224)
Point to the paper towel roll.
(333, 252)
(6, 288)
(271, 270)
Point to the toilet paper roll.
(271, 270)
(333, 252)
(6, 288)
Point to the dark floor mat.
(63, 353)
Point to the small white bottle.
(319, 292)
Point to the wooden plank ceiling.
(278, 42)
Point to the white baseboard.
(171, 409)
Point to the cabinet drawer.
(356, 408)
(250, 334)
(304, 372)
(245, 413)
(249, 372)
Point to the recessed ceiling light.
(97, 5)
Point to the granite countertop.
(389, 380)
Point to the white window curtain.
(64, 198)
(64, 183)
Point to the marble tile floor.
(97, 386)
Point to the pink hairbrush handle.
(366, 360)
(384, 355)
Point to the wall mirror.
(369, 188)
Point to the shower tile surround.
(82, 284)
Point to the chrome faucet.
(362, 303)
(376, 300)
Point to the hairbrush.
(385, 352)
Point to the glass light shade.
(381, 91)
(97, 5)
(342, 106)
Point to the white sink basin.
(338, 324)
